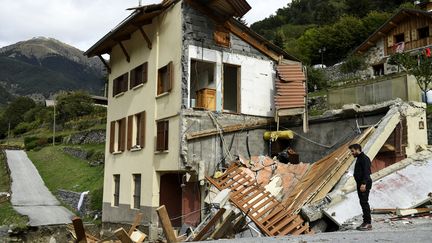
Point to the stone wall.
(71, 199)
(86, 137)
(93, 158)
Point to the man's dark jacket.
(362, 169)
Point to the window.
(117, 136)
(139, 75)
(137, 191)
(202, 85)
(120, 84)
(162, 136)
(378, 69)
(116, 190)
(165, 79)
(222, 36)
(423, 32)
(136, 131)
(399, 38)
(231, 88)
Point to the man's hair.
(355, 146)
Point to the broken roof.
(220, 10)
(397, 18)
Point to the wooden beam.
(252, 41)
(79, 230)
(122, 236)
(383, 210)
(222, 229)
(107, 66)
(146, 38)
(228, 129)
(209, 225)
(137, 221)
(412, 211)
(166, 224)
(124, 51)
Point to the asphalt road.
(30, 196)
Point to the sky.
(81, 23)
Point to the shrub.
(353, 64)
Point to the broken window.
(118, 136)
(120, 84)
(162, 135)
(139, 75)
(137, 191)
(136, 131)
(116, 190)
(231, 88)
(423, 32)
(165, 79)
(399, 38)
(202, 85)
(378, 69)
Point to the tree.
(14, 113)
(73, 105)
(418, 65)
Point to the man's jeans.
(364, 202)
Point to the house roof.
(224, 10)
(397, 18)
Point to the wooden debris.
(166, 224)
(137, 221)
(383, 210)
(412, 211)
(123, 236)
(78, 232)
(226, 225)
(209, 225)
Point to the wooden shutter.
(125, 82)
(129, 132)
(170, 70)
(166, 133)
(132, 79)
(160, 139)
(112, 137)
(145, 72)
(115, 87)
(122, 142)
(407, 36)
(390, 41)
(414, 35)
(142, 130)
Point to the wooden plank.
(292, 226)
(228, 129)
(412, 211)
(281, 224)
(209, 225)
(137, 221)
(383, 210)
(122, 235)
(166, 224)
(79, 230)
(222, 229)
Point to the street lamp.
(321, 51)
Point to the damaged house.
(181, 73)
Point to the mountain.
(44, 66)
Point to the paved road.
(30, 196)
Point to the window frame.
(120, 84)
(116, 194)
(397, 36)
(162, 129)
(138, 75)
(163, 88)
(420, 30)
(136, 199)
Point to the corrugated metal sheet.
(290, 87)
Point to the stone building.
(181, 73)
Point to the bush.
(353, 64)
(316, 77)
(34, 142)
(73, 105)
(24, 127)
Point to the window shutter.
(122, 135)
(170, 76)
(129, 132)
(145, 72)
(414, 35)
(160, 141)
(115, 87)
(132, 79)
(390, 41)
(142, 125)
(112, 137)
(166, 133)
(407, 36)
(125, 82)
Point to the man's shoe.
(364, 227)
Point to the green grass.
(61, 171)
(317, 93)
(8, 216)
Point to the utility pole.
(322, 50)
(54, 123)
(8, 134)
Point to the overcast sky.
(82, 22)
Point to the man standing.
(362, 172)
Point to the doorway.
(231, 88)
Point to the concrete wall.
(389, 88)
(326, 136)
(165, 31)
